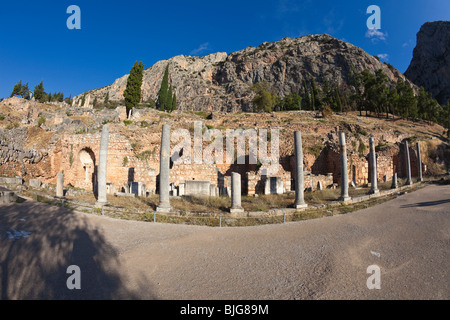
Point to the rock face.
(430, 66)
(223, 82)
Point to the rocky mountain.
(222, 82)
(430, 66)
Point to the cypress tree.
(163, 91)
(133, 91)
(174, 101)
(306, 99)
(312, 96)
(106, 98)
(169, 99)
(338, 99)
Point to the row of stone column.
(373, 167)
(164, 201)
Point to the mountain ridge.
(222, 82)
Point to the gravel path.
(408, 238)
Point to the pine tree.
(163, 91)
(17, 89)
(39, 93)
(133, 91)
(25, 91)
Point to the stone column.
(373, 168)
(420, 178)
(394, 181)
(102, 164)
(236, 193)
(164, 167)
(344, 169)
(408, 165)
(299, 179)
(60, 185)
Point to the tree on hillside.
(445, 117)
(315, 99)
(21, 90)
(357, 89)
(39, 93)
(133, 90)
(17, 88)
(307, 100)
(174, 101)
(265, 99)
(106, 101)
(164, 91)
(292, 101)
(169, 99)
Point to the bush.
(362, 149)
(2, 117)
(127, 122)
(41, 121)
(326, 111)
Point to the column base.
(375, 192)
(300, 206)
(236, 210)
(345, 199)
(409, 183)
(164, 208)
(100, 204)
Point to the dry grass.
(38, 138)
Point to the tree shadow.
(39, 242)
(426, 204)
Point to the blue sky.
(35, 43)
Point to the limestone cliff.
(222, 82)
(430, 66)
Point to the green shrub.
(41, 121)
(127, 122)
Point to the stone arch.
(86, 169)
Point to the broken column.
(373, 168)
(102, 163)
(164, 167)
(344, 169)
(408, 165)
(420, 178)
(299, 182)
(60, 185)
(394, 181)
(236, 193)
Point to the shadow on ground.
(426, 204)
(39, 242)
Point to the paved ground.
(408, 238)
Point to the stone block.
(35, 183)
(197, 188)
